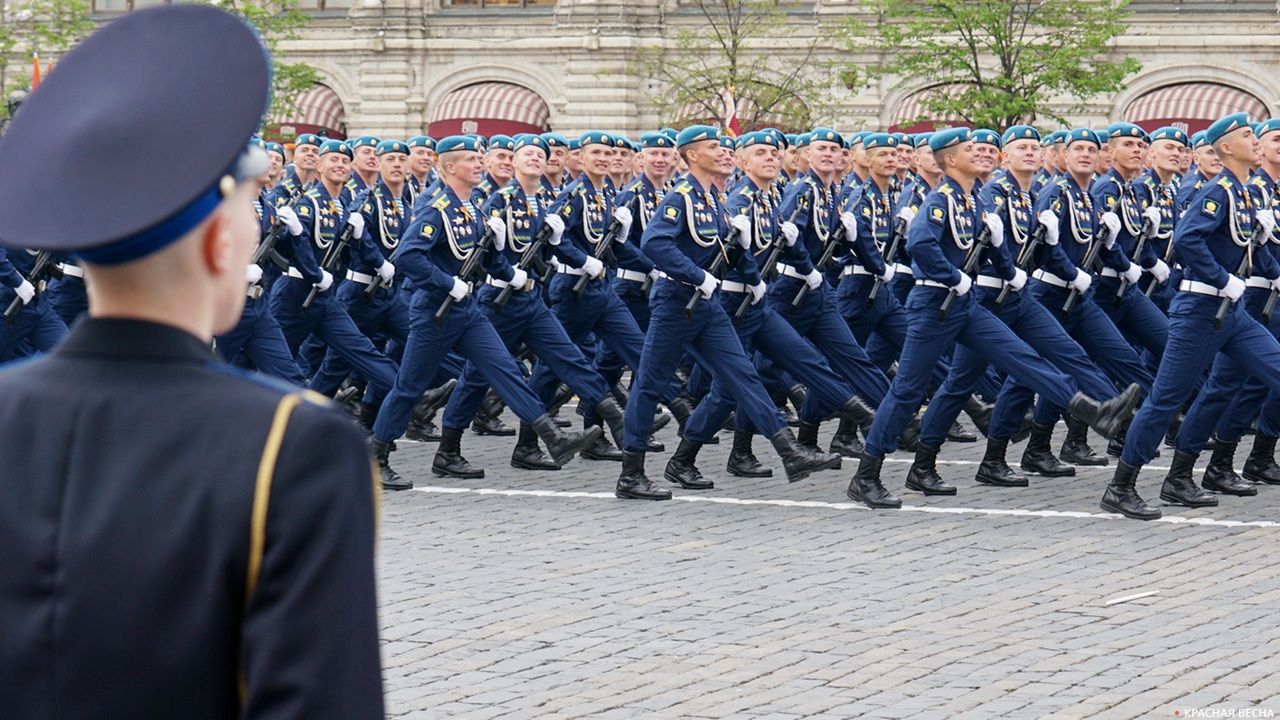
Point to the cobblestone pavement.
(539, 595)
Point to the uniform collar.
(128, 339)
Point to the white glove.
(499, 229)
(757, 291)
(888, 273)
(1275, 285)
(1111, 222)
(252, 273)
(850, 224)
(27, 292)
(790, 232)
(593, 267)
(813, 279)
(1082, 281)
(655, 274)
(1050, 223)
(326, 280)
(1267, 219)
(557, 228)
(1152, 214)
(1234, 289)
(623, 216)
(1019, 279)
(908, 214)
(356, 221)
(519, 278)
(459, 290)
(1132, 275)
(708, 285)
(996, 225)
(287, 216)
(742, 224)
(964, 285)
(386, 271)
(1160, 271)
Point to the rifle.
(833, 241)
(603, 247)
(468, 271)
(267, 248)
(1090, 258)
(1255, 242)
(770, 260)
(1168, 260)
(970, 262)
(722, 259)
(526, 262)
(899, 230)
(1147, 232)
(44, 265)
(1025, 258)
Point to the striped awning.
(911, 114)
(1193, 105)
(318, 110)
(488, 108)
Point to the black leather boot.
(560, 444)
(527, 454)
(620, 393)
(1179, 488)
(979, 412)
(682, 469)
(682, 409)
(1171, 435)
(1075, 449)
(1110, 417)
(865, 487)
(368, 414)
(348, 398)
(1024, 430)
(960, 434)
(633, 484)
(449, 462)
(488, 420)
(1038, 456)
(611, 413)
(845, 441)
(857, 413)
(1121, 495)
(1261, 466)
(923, 476)
(909, 439)
(730, 423)
(795, 394)
(807, 434)
(1220, 477)
(742, 461)
(601, 449)
(391, 480)
(799, 461)
(563, 395)
(431, 402)
(994, 470)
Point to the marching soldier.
(422, 166)
(1207, 166)
(555, 175)
(498, 168)
(364, 169)
(299, 175)
(1157, 188)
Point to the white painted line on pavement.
(931, 509)
(1135, 596)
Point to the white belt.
(900, 268)
(1109, 272)
(1200, 288)
(1048, 277)
(632, 275)
(987, 281)
(1257, 282)
(789, 271)
(931, 283)
(856, 270)
(488, 280)
(72, 270)
(253, 292)
(360, 277)
(572, 270)
(733, 287)
(294, 273)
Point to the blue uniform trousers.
(1233, 394)
(36, 328)
(526, 320)
(763, 332)
(1032, 323)
(885, 318)
(69, 297)
(467, 329)
(1193, 343)
(971, 325)
(609, 363)
(818, 320)
(258, 336)
(709, 336)
(1095, 332)
(1135, 316)
(328, 320)
(383, 317)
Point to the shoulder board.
(351, 185)
(1224, 182)
(440, 202)
(508, 190)
(314, 192)
(634, 185)
(745, 190)
(945, 189)
(682, 187)
(1003, 182)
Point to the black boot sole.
(983, 479)
(704, 485)
(1173, 500)
(589, 455)
(1216, 488)
(874, 505)
(1036, 471)
(833, 464)
(474, 475)
(1261, 480)
(737, 472)
(526, 465)
(401, 485)
(1094, 461)
(1155, 515)
(948, 490)
(628, 495)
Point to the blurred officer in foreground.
(181, 541)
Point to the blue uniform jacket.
(642, 214)
(1005, 198)
(875, 212)
(1215, 230)
(761, 206)
(816, 218)
(439, 241)
(1113, 193)
(941, 236)
(686, 234)
(385, 219)
(1078, 223)
(524, 217)
(323, 220)
(588, 213)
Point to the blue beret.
(823, 134)
(1127, 129)
(621, 141)
(575, 144)
(792, 139)
(275, 147)
(879, 140)
(1170, 132)
(636, 147)
(802, 140)
(161, 76)
(1055, 137)
(554, 140)
(780, 139)
(728, 141)
(656, 140)
(697, 133)
(1020, 132)
(308, 139)
(332, 146)
(1224, 126)
(595, 137)
(920, 140)
(454, 143)
(1198, 140)
(761, 137)
(418, 141)
(943, 139)
(669, 132)
(363, 141)
(902, 138)
(524, 140)
(983, 136)
(1267, 126)
(258, 143)
(1254, 126)
(501, 142)
(392, 146)
(1082, 135)
(858, 138)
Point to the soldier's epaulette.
(633, 186)
(945, 189)
(683, 187)
(440, 201)
(745, 190)
(1224, 183)
(313, 192)
(1003, 182)
(351, 184)
(507, 190)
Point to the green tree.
(46, 27)
(997, 61)
(747, 47)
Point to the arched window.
(489, 108)
(1192, 106)
(911, 115)
(318, 110)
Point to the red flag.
(35, 71)
(730, 121)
